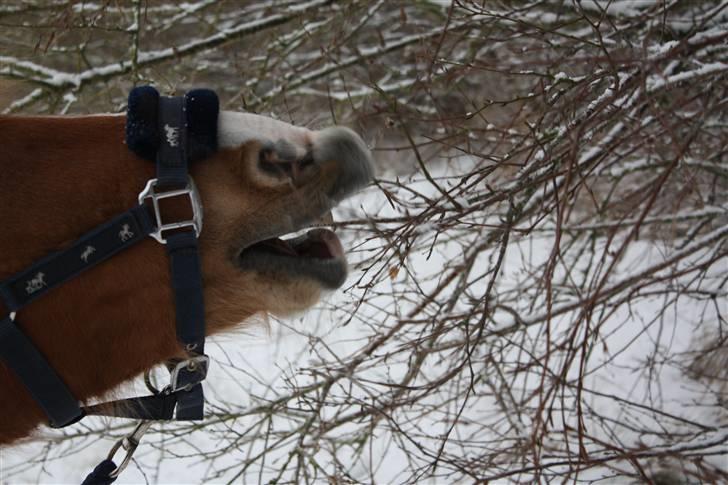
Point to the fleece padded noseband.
(144, 135)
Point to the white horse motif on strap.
(125, 234)
(87, 252)
(36, 283)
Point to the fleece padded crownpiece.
(142, 127)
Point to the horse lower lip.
(330, 272)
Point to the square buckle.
(190, 190)
(192, 371)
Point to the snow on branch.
(60, 79)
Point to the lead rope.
(107, 472)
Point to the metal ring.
(148, 382)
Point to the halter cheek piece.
(172, 130)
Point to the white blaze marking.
(235, 129)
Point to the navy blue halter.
(173, 130)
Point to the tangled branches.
(538, 287)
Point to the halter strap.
(184, 259)
(180, 237)
(17, 350)
(34, 371)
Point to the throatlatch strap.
(187, 285)
(157, 407)
(37, 375)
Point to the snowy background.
(538, 274)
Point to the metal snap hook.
(130, 443)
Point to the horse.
(63, 175)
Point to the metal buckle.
(197, 365)
(190, 190)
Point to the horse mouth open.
(317, 254)
(294, 249)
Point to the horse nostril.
(306, 161)
(269, 162)
(281, 160)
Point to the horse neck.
(61, 177)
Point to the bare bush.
(538, 286)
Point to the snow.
(656, 82)
(627, 8)
(251, 368)
(636, 391)
(58, 79)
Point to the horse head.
(61, 176)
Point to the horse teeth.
(295, 234)
(323, 221)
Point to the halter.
(173, 130)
